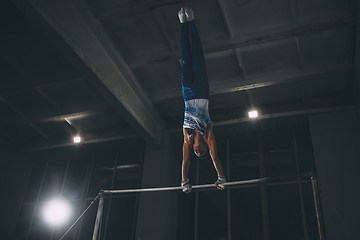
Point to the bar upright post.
(317, 206)
(98, 217)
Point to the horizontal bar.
(208, 185)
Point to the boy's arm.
(187, 145)
(211, 142)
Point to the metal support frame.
(252, 181)
(99, 214)
(98, 218)
(317, 207)
(110, 198)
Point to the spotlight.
(77, 139)
(253, 114)
(56, 212)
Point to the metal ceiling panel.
(327, 47)
(12, 21)
(159, 79)
(68, 95)
(209, 20)
(7, 112)
(320, 86)
(282, 93)
(8, 72)
(36, 58)
(247, 18)
(270, 57)
(322, 10)
(106, 5)
(223, 67)
(101, 121)
(22, 135)
(229, 100)
(171, 108)
(56, 130)
(137, 35)
(27, 102)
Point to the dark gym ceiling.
(111, 69)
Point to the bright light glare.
(253, 114)
(56, 212)
(77, 139)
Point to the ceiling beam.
(133, 8)
(285, 114)
(59, 116)
(268, 79)
(244, 41)
(226, 19)
(295, 12)
(83, 142)
(295, 16)
(14, 86)
(160, 21)
(277, 115)
(241, 63)
(72, 27)
(12, 61)
(15, 109)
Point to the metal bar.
(256, 184)
(110, 198)
(317, 206)
(209, 185)
(80, 217)
(98, 218)
(300, 187)
(282, 183)
(84, 195)
(137, 196)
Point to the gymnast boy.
(197, 126)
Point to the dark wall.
(157, 213)
(357, 65)
(336, 144)
(15, 172)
